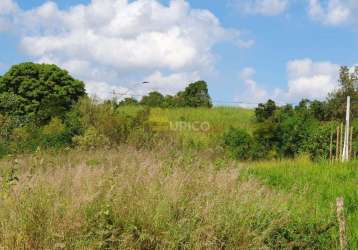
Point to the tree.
(153, 99)
(40, 91)
(320, 110)
(347, 87)
(128, 101)
(170, 101)
(195, 95)
(265, 110)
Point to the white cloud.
(171, 83)
(116, 41)
(8, 9)
(306, 79)
(313, 80)
(252, 93)
(261, 7)
(333, 12)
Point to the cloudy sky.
(247, 50)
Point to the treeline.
(195, 95)
(42, 106)
(288, 131)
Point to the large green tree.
(195, 95)
(39, 91)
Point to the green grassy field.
(315, 187)
(214, 123)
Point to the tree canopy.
(40, 91)
(348, 86)
(195, 95)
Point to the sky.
(246, 50)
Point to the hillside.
(202, 127)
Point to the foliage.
(40, 91)
(91, 139)
(55, 127)
(318, 142)
(128, 101)
(289, 131)
(108, 123)
(153, 99)
(265, 111)
(195, 95)
(348, 86)
(239, 143)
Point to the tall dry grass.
(130, 199)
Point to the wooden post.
(342, 223)
(341, 142)
(345, 153)
(350, 144)
(337, 144)
(330, 148)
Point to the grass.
(316, 186)
(126, 198)
(203, 127)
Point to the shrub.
(20, 134)
(115, 124)
(239, 143)
(318, 142)
(91, 139)
(55, 127)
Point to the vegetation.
(38, 91)
(195, 95)
(167, 172)
(165, 199)
(315, 186)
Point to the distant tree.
(129, 101)
(265, 110)
(348, 86)
(303, 105)
(170, 101)
(41, 91)
(320, 110)
(153, 99)
(195, 95)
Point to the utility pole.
(345, 154)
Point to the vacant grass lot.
(185, 122)
(316, 186)
(164, 199)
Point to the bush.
(91, 139)
(318, 142)
(239, 143)
(55, 127)
(103, 124)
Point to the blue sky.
(247, 51)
